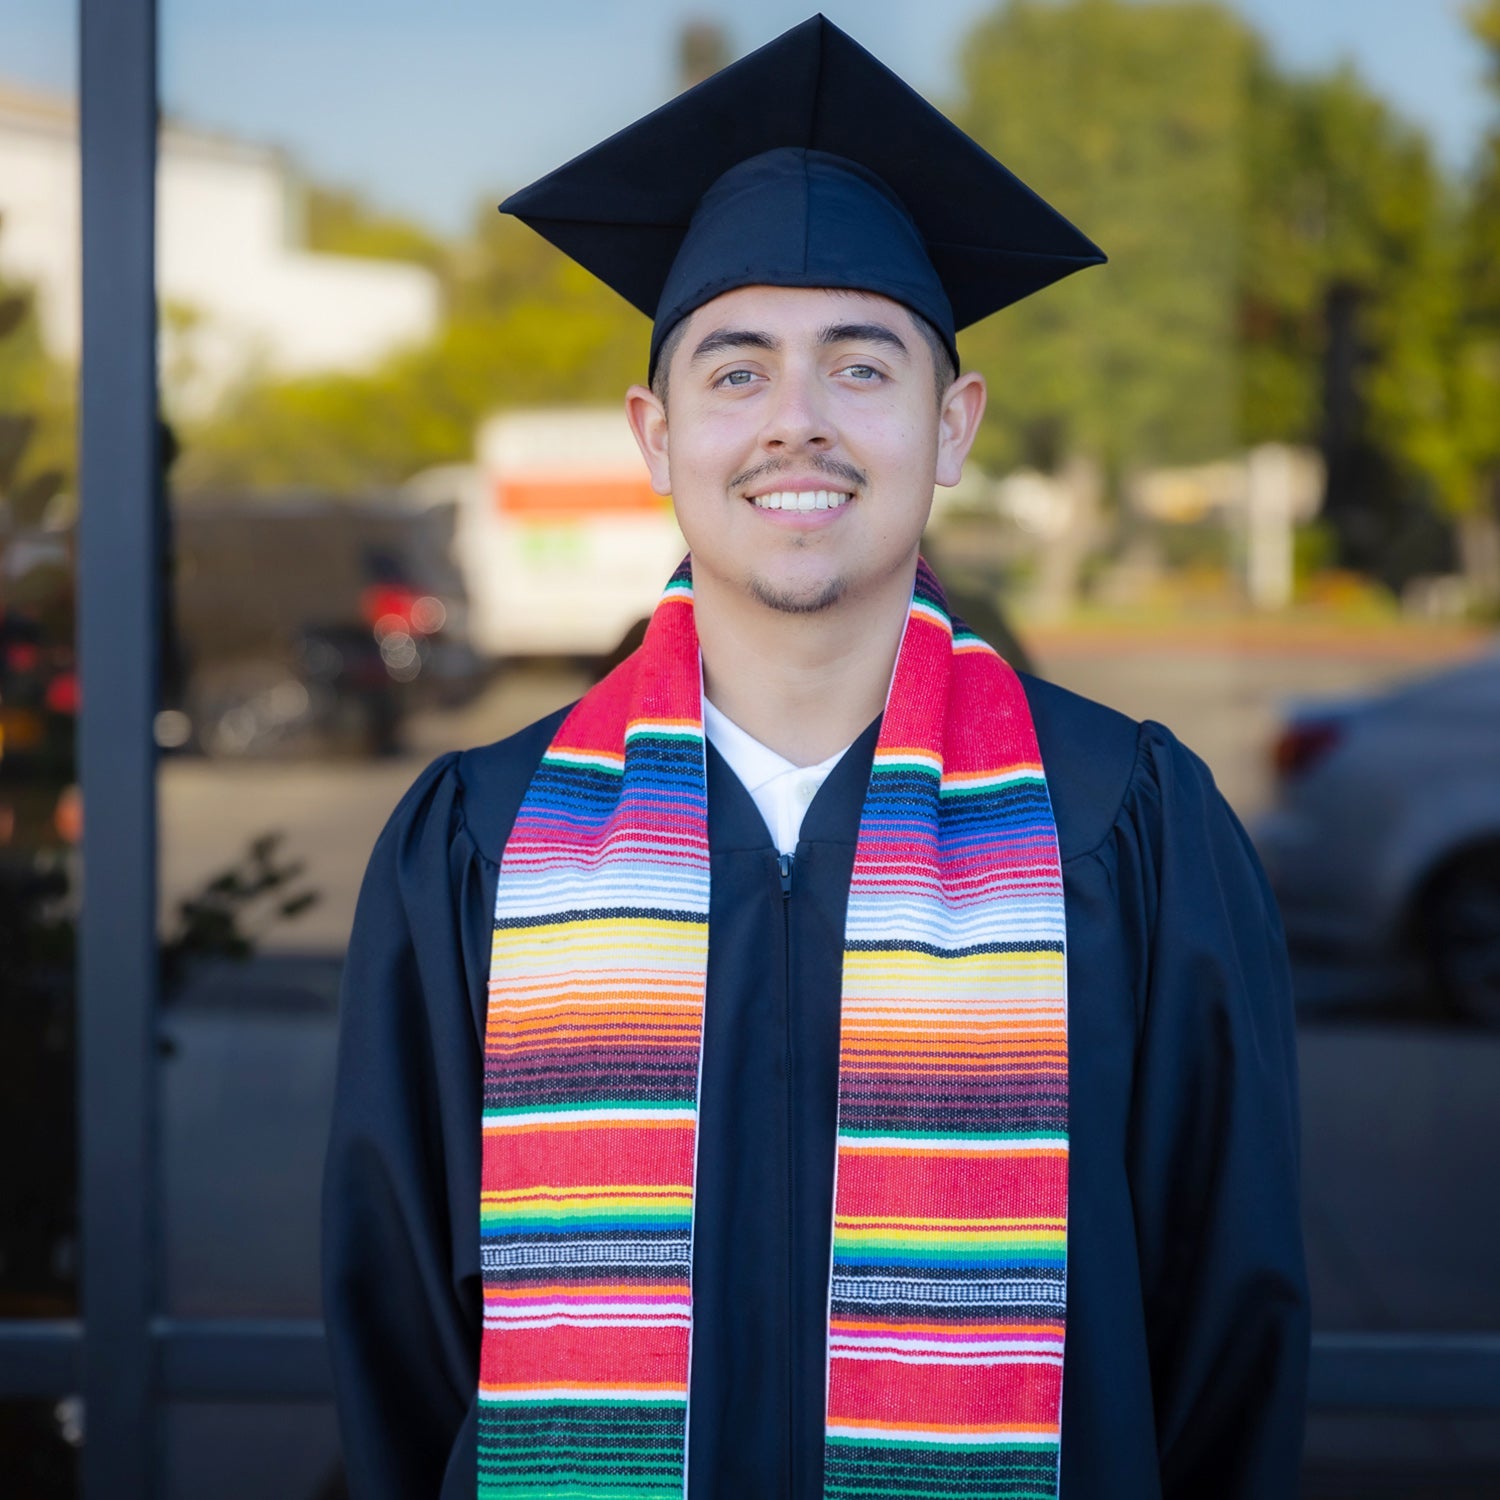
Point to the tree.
(1130, 118)
(1346, 295)
(1340, 193)
(1475, 346)
(1282, 262)
(1482, 221)
(336, 221)
(37, 404)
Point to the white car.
(1384, 846)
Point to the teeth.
(802, 500)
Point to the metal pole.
(117, 648)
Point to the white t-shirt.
(782, 791)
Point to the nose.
(799, 416)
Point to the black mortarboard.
(807, 163)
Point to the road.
(328, 811)
(1224, 704)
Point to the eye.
(736, 377)
(864, 373)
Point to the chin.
(797, 598)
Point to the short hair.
(664, 359)
(945, 372)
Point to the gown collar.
(735, 822)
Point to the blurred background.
(1245, 480)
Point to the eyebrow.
(863, 333)
(835, 333)
(734, 338)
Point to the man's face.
(802, 441)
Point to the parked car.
(1384, 847)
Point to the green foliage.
(337, 432)
(21, 359)
(37, 403)
(1232, 199)
(1344, 194)
(1130, 118)
(1476, 347)
(234, 910)
(1484, 22)
(1314, 551)
(339, 222)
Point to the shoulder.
(1108, 773)
(1091, 756)
(470, 797)
(492, 780)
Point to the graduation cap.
(807, 163)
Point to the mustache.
(835, 468)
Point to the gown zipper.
(784, 866)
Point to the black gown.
(1185, 1361)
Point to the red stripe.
(954, 1187)
(991, 1395)
(592, 1356)
(656, 1156)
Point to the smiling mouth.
(802, 500)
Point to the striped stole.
(946, 1297)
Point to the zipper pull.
(784, 864)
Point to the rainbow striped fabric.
(947, 1288)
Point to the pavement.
(329, 812)
(1223, 701)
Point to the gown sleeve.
(401, 1293)
(1212, 1145)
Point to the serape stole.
(948, 1275)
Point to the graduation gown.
(1185, 1360)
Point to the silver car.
(1384, 846)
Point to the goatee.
(789, 603)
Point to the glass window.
(216, 1448)
(40, 807)
(1227, 483)
(1243, 481)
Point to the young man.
(820, 1061)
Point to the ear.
(648, 421)
(958, 425)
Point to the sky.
(427, 106)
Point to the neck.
(805, 685)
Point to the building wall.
(39, 240)
(237, 292)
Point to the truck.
(562, 543)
